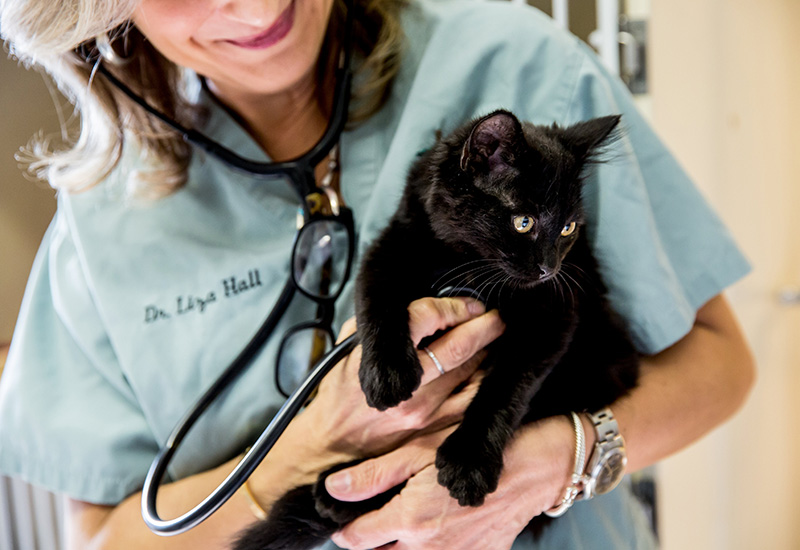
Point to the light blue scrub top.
(108, 353)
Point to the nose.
(545, 271)
(254, 12)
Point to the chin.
(528, 282)
(264, 73)
(249, 80)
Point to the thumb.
(377, 475)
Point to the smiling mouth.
(279, 29)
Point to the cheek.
(170, 25)
(176, 19)
(311, 24)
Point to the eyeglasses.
(321, 261)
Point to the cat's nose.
(545, 271)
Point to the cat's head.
(511, 191)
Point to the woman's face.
(249, 46)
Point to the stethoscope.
(301, 172)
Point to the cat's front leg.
(390, 370)
(387, 283)
(470, 460)
(469, 467)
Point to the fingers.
(372, 530)
(454, 348)
(452, 409)
(378, 475)
(427, 315)
(348, 328)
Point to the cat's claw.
(468, 473)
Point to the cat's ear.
(490, 145)
(584, 138)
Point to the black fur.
(563, 348)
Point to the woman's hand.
(339, 426)
(537, 467)
(346, 424)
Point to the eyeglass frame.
(323, 321)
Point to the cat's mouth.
(530, 282)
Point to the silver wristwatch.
(607, 462)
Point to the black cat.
(494, 207)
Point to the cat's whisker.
(471, 278)
(566, 275)
(581, 273)
(487, 277)
(482, 271)
(513, 286)
(468, 278)
(457, 268)
(503, 285)
(497, 275)
(497, 280)
(556, 282)
(564, 283)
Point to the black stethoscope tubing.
(301, 172)
(300, 169)
(246, 466)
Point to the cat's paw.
(329, 507)
(387, 383)
(469, 470)
(340, 512)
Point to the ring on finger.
(435, 360)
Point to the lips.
(279, 29)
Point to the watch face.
(610, 471)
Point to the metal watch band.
(605, 425)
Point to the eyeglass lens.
(320, 258)
(300, 351)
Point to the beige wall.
(725, 88)
(25, 206)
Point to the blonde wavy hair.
(57, 36)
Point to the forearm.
(683, 393)
(686, 390)
(105, 527)
(293, 461)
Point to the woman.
(108, 354)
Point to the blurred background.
(719, 82)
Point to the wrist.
(598, 467)
(299, 456)
(540, 462)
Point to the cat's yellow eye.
(569, 229)
(523, 224)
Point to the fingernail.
(338, 483)
(475, 307)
